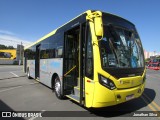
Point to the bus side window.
(89, 57)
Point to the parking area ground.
(17, 93)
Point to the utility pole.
(20, 54)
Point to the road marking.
(150, 106)
(5, 67)
(32, 118)
(17, 87)
(13, 71)
(10, 88)
(9, 66)
(156, 105)
(14, 74)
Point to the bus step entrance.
(75, 94)
(68, 83)
(37, 79)
(74, 97)
(76, 91)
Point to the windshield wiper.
(113, 50)
(116, 37)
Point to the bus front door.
(73, 79)
(37, 62)
(71, 63)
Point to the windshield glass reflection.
(121, 48)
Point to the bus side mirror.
(98, 26)
(96, 17)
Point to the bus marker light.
(118, 97)
(88, 81)
(87, 93)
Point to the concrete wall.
(6, 62)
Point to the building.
(8, 54)
(11, 56)
(149, 54)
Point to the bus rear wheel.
(58, 88)
(28, 74)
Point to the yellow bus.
(96, 59)
(8, 54)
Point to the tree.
(5, 47)
(10, 47)
(147, 60)
(2, 46)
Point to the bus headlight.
(106, 82)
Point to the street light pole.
(20, 54)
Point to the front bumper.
(113, 97)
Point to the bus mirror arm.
(96, 18)
(98, 26)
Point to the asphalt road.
(17, 93)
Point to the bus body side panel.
(31, 66)
(89, 89)
(103, 96)
(48, 67)
(44, 75)
(55, 66)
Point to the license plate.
(129, 97)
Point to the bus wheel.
(57, 88)
(28, 74)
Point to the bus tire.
(28, 74)
(58, 88)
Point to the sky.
(28, 20)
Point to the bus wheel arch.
(28, 73)
(57, 86)
(53, 80)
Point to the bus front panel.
(119, 71)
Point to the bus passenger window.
(89, 58)
(60, 51)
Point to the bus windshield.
(121, 48)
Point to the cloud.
(4, 32)
(10, 39)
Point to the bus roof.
(54, 31)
